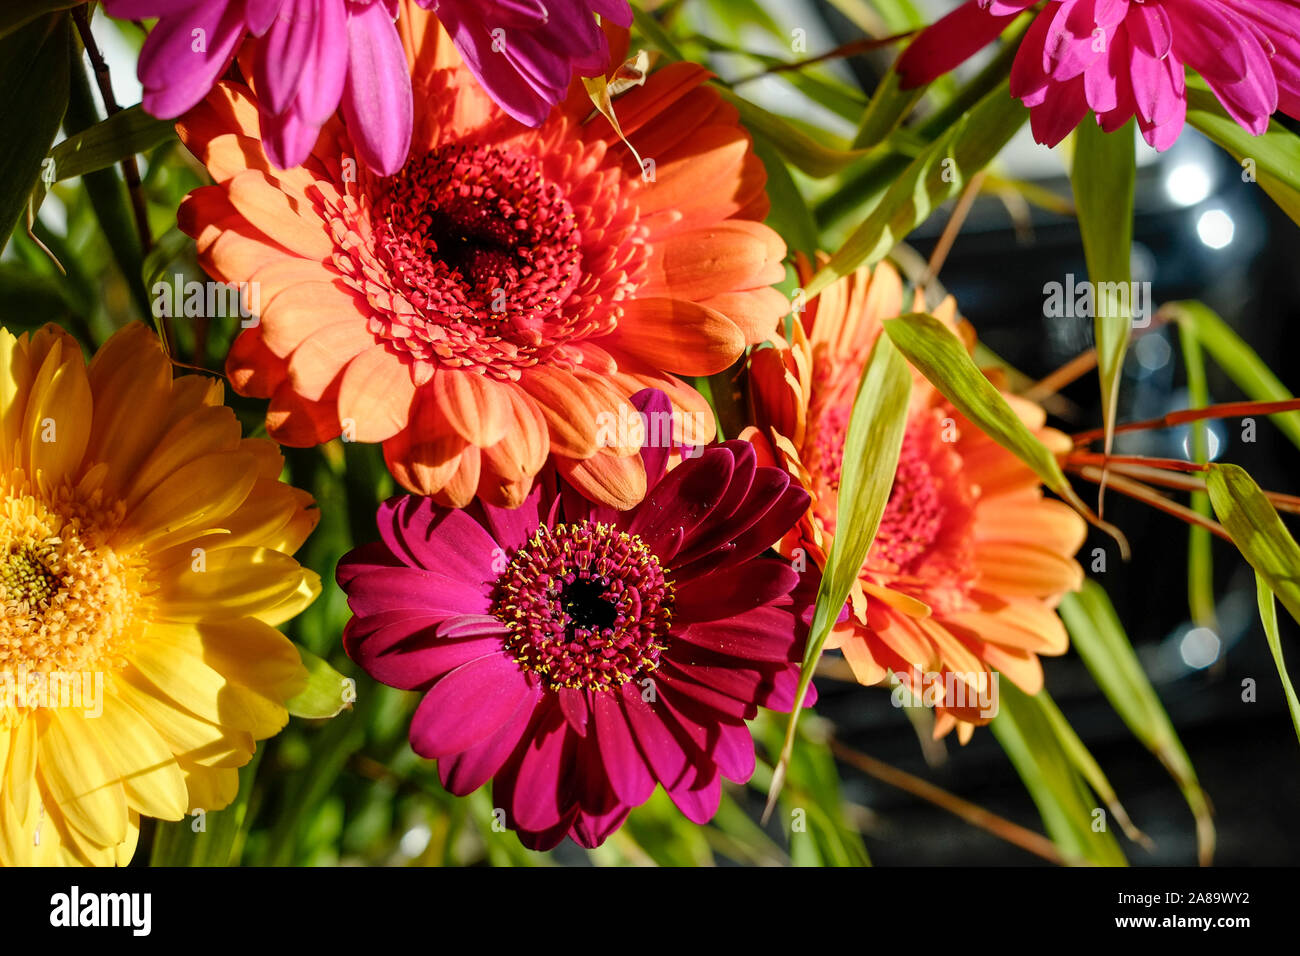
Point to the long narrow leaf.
(1104, 175)
(1268, 616)
(942, 358)
(1098, 636)
(871, 449)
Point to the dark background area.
(1246, 754)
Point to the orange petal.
(607, 479)
(677, 336)
(475, 405)
(375, 395)
(317, 361)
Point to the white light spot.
(415, 840)
(1200, 648)
(1152, 352)
(1188, 184)
(1216, 228)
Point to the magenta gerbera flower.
(1126, 58)
(526, 52)
(578, 656)
(309, 56)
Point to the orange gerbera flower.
(503, 295)
(970, 559)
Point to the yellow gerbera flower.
(145, 559)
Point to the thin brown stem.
(952, 228)
(854, 48)
(972, 813)
(1139, 491)
(130, 168)
(1225, 410)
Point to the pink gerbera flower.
(309, 56)
(578, 656)
(1126, 58)
(526, 52)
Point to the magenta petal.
(282, 59)
(734, 590)
(624, 765)
(573, 704)
(759, 634)
(682, 500)
(327, 64)
(664, 753)
(544, 788)
(468, 705)
(393, 588)
(591, 830)
(948, 42)
(698, 803)
(177, 67)
(654, 406)
(465, 772)
(377, 101)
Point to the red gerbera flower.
(578, 656)
(503, 295)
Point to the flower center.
(588, 606)
(69, 602)
(26, 583)
(487, 252)
(915, 512)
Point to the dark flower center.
(485, 248)
(25, 581)
(588, 606)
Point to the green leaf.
(1268, 616)
(886, 110)
(1273, 159)
(208, 837)
(327, 691)
(1104, 175)
(1200, 552)
(16, 13)
(34, 69)
(789, 214)
(942, 358)
(938, 173)
(1087, 765)
(799, 149)
(1257, 531)
(1029, 738)
(871, 449)
(1098, 636)
(103, 145)
(1238, 360)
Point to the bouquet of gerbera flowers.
(448, 431)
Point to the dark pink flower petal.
(377, 101)
(469, 705)
(950, 41)
(186, 53)
(421, 591)
(735, 590)
(465, 772)
(759, 634)
(625, 767)
(698, 802)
